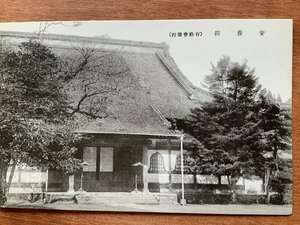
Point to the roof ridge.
(91, 39)
(161, 116)
(179, 72)
(175, 75)
(184, 82)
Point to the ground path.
(259, 209)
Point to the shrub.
(251, 199)
(198, 197)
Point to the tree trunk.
(195, 181)
(232, 184)
(268, 194)
(11, 175)
(234, 200)
(267, 185)
(3, 185)
(219, 180)
(275, 156)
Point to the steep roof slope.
(162, 91)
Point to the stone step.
(114, 198)
(101, 201)
(119, 199)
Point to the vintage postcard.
(176, 116)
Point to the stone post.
(71, 184)
(145, 169)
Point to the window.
(156, 163)
(98, 159)
(90, 156)
(106, 159)
(186, 168)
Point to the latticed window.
(186, 167)
(156, 163)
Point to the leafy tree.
(281, 183)
(279, 100)
(227, 126)
(35, 124)
(46, 96)
(275, 124)
(239, 128)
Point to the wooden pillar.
(97, 163)
(170, 166)
(145, 169)
(182, 200)
(71, 184)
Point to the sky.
(270, 54)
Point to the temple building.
(133, 147)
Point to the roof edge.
(97, 40)
(133, 134)
(174, 74)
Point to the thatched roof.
(162, 91)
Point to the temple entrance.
(110, 169)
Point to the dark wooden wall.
(37, 10)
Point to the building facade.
(134, 147)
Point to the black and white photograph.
(166, 116)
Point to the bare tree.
(94, 75)
(43, 27)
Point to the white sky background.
(271, 54)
